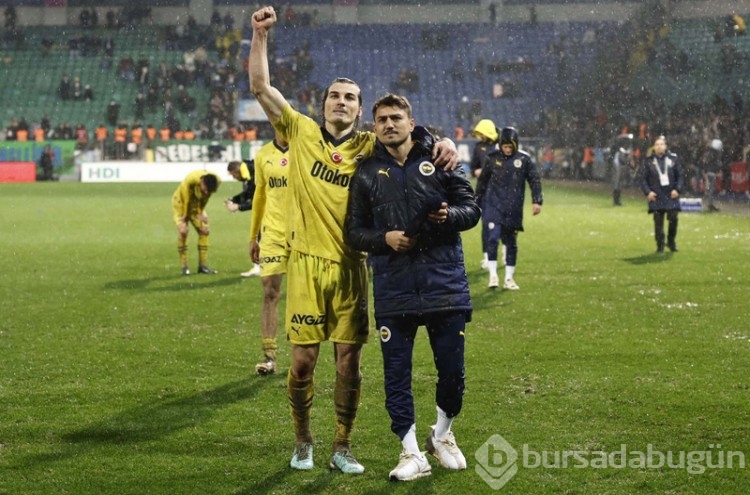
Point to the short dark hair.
(233, 166)
(211, 182)
(391, 100)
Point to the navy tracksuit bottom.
(505, 235)
(446, 334)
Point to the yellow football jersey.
(319, 176)
(270, 206)
(188, 199)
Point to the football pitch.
(614, 370)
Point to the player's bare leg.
(269, 322)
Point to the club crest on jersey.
(385, 334)
(426, 168)
(517, 163)
(283, 162)
(336, 157)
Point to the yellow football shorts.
(192, 213)
(273, 255)
(326, 300)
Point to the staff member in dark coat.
(486, 133)
(244, 172)
(662, 181)
(501, 190)
(408, 214)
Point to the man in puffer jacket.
(501, 190)
(408, 214)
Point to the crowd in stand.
(165, 94)
(690, 126)
(215, 61)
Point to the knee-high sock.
(346, 399)
(301, 394)
(202, 250)
(269, 348)
(182, 250)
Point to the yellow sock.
(269, 348)
(301, 394)
(182, 250)
(346, 400)
(202, 250)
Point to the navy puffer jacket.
(501, 188)
(385, 196)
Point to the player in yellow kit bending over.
(189, 205)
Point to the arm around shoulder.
(359, 233)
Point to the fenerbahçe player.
(319, 188)
(326, 280)
(269, 219)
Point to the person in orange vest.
(121, 137)
(22, 135)
(179, 134)
(150, 132)
(189, 135)
(587, 164)
(165, 134)
(39, 135)
(101, 134)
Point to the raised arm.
(270, 98)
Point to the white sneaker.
(253, 272)
(510, 284)
(446, 451)
(302, 459)
(344, 461)
(410, 467)
(266, 367)
(494, 281)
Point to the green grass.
(119, 376)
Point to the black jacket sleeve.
(535, 183)
(483, 179)
(359, 233)
(463, 210)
